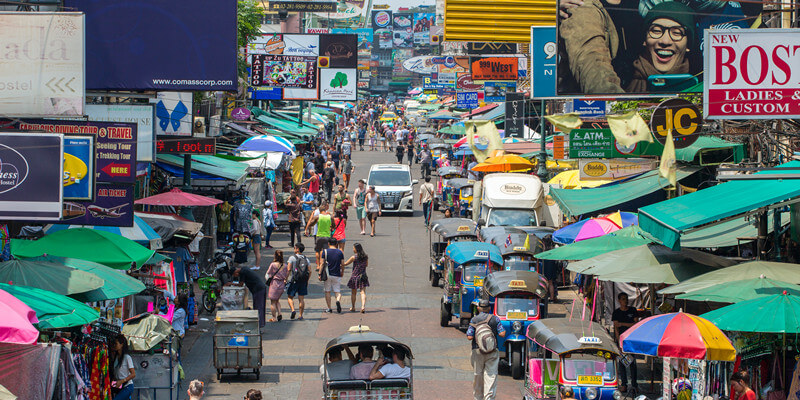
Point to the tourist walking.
(347, 169)
(276, 280)
(483, 331)
(359, 196)
(372, 202)
(299, 272)
(294, 213)
(255, 234)
(328, 176)
(332, 259)
(399, 152)
(269, 223)
(358, 280)
(426, 193)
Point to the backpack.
(300, 272)
(484, 336)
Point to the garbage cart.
(237, 342)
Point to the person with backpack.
(330, 272)
(298, 273)
(483, 331)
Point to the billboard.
(543, 61)
(31, 173)
(656, 48)
(515, 118)
(495, 20)
(159, 45)
(141, 114)
(174, 113)
(494, 91)
(79, 173)
(495, 69)
(403, 34)
(283, 71)
(337, 84)
(381, 19)
(481, 48)
(342, 50)
(422, 27)
(41, 64)
(751, 74)
(112, 206)
(596, 143)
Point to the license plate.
(389, 206)
(516, 315)
(477, 281)
(590, 380)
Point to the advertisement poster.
(596, 143)
(381, 19)
(495, 69)
(31, 175)
(342, 50)
(301, 45)
(422, 27)
(174, 113)
(112, 206)
(283, 71)
(42, 86)
(452, 64)
(141, 114)
(752, 74)
(79, 167)
(178, 45)
(496, 91)
(543, 61)
(300, 94)
(481, 48)
(403, 35)
(364, 34)
(400, 55)
(337, 84)
(659, 50)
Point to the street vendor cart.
(237, 342)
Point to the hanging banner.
(283, 71)
(422, 27)
(31, 174)
(403, 34)
(514, 118)
(112, 206)
(543, 61)
(495, 69)
(79, 173)
(496, 91)
(141, 114)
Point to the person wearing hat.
(668, 37)
(484, 365)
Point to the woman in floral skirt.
(358, 280)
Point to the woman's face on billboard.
(666, 44)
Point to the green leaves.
(340, 80)
(249, 15)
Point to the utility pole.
(542, 170)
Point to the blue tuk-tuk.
(466, 266)
(442, 233)
(517, 247)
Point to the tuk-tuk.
(520, 297)
(447, 230)
(443, 188)
(586, 360)
(517, 255)
(438, 149)
(466, 266)
(460, 199)
(342, 387)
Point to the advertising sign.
(141, 114)
(432, 82)
(752, 74)
(481, 48)
(515, 118)
(558, 147)
(352, 9)
(446, 78)
(422, 27)
(596, 143)
(589, 108)
(342, 50)
(400, 55)
(680, 116)
(496, 91)
(364, 34)
(543, 60)
(479, 20)
(465, 81)
(153, 44)
(318, 30)
(78, 167)
(187, 146)
(403, 35)
(30, 176)
(610, 169)
(495, 69)
(337, 84)
(267, 93)
(467, 100)
(301, 45)
(112, 206)
(302, 6)
(174, 113)
(41, 64)
(283, 71)
(384, 38)
(240, 114)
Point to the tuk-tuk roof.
(458, 183)
(539, 231)
(515, 281)
(433, 146)
(560, 335)
(464, 252)
(498, 237)
(489, 232)
(354, 338)
(452, 227)
(449, 170)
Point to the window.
(582, 364)
(389, 178)
(510, 217)
(517, 303)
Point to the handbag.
(323, 275)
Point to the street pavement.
(400, 303)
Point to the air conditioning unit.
(199, 127)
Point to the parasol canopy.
(778, 313)
(101, 247)
(48, 276)
(596, 227)
(571, 179)
(268, 143)
(622, 239)
(117, 283)
(784, 272)
(623, 219)
(140, 232)
(53, 310)
(177, 197)
(736, 291)
(504, 163)
(678, 335)
(16, 326)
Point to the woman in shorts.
(373, 205)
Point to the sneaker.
(338, 308)
(328, 311)
(294, 314)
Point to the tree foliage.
(249, 15)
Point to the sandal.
(362, 311)
(352, 309)
(271, 320)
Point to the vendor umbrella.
(504, 163)
(623, 219)
(778, 313)
(53, 310)
(117, 283)
(140, 232)
(48, 276)
(784, 272)
(177, 197)
(621, 239)
(101, 247)
(596, 227)
(567, 234)
(678, 335)
(16, 326)
(268, 143)
(736, 291)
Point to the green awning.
(293, 119)
(692, 153)
(209, 165)
(585, 201)
(400, 84)
(669, 219)
(454, 130)
(631, 236)
(285, 125)
(731, 233)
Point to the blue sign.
(467, 100)
(495, 91)
(178, 45)
(266, 93)
(79, 167)
(589, 108)
(430, 82)
(544, 55)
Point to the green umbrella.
(746, 289)
(117, 283)
(53, 310)
(778, 313)
(48, 276)
(621, 239)
(784, 272)
(102, 247)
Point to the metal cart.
(237, 342)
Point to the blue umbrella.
(268, 143)
(140, 232)
(567, 234)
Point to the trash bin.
(237, 342)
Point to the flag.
(629, 128)
(668, 167)
(527, 242)
(483, 138)
(565, 122)
(508, 241)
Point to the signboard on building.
(42, 64)
(611, 169)
(283, 71)
(589, 108)
(338, 84)
(402, 28)
(141, 114)
(515, 117)
(422, 27)
(495, 69)
(467, 100)
(596, 143)
(31, 171)
(174, 113)
(680, 116)
(186, 146)
(481, 48)
(558, 147)
(496, 91)
(543, 61)
(79, 162)
(112, 206)
(302, 6)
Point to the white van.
(394, 186)
(508, 199)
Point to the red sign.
(495, 69)
(186, 146)
(465, 82)
(115, 169)
(752, 74)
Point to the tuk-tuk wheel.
(435, 278)
(444, 318)
(219, 374)
(516, 362)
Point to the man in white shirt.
(395, 370)
(426, 193)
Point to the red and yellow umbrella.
(678, 335)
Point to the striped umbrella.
(268, 143)
(140, 232)
(678, 335)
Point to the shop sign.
(112, 206)
(514, 115)
(446, 78)
(752, 74)
(496, 91)
(283, 71)
(381, 19)
(481, 48)
(467, 100)
(558, 147)
(302, 6)
(465, 81)
(543, 61)
(495, 69)
(611, 169)
(31, 174)
(79, 163)
(186, 146)
(589, 108)
(338, 84)
(681, 117)
(596, 143)
(174, 113)
(141, 114)
(240, 114)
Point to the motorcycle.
(211, 283)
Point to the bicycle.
(211, 291)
